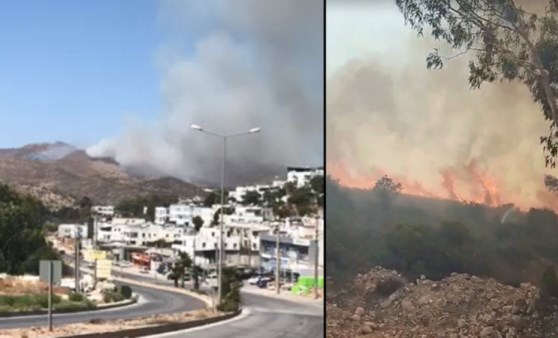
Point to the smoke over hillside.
(428, 130)
(253, 63)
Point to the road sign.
(91, 255)
(104, 267)
(44, 267)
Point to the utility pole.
(316, 259)
(221, 248)
(277, 259)
(50, 282)
(221, 225)
(76, 265)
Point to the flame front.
(469, 183)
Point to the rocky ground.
(382, 303)
(105, 326)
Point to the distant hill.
(59, 174)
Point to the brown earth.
(382, 303)
(99, 326)
(60, 181)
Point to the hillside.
(418, 235)
(59, 174)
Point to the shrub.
(76, 297)
(228, 305)
(69, 306)
(112, 296)
(549, 283)
(126, 291)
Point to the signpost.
(51, 273)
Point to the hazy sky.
(72, 70)
(362, 28)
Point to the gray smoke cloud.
(253, 63)
(394, 116)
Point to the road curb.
(158, 329)
(45, 312)
(203, 298)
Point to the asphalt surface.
(152, 302)
(268, 317)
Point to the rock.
(359, 311)
(365, 329)
(356, 318)
(487, 331)
(407, 305)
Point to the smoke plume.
(429, 130)
(252, 64)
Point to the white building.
(161, 215)
(302, 175)
(103, 210)
(71, 230)
(136, 232)
(297, 248)
(204, 244)
(239, 192)
(246, 214)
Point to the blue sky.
(73, 70)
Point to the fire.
(470, 183)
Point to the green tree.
(549, 282)
(197, 272)
(317, 184)
(180, 267)
(198, 223)
(251, 198)
(386, 189)
(211, 199)
(507, 42)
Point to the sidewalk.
(287, 295)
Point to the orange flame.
(477, 185)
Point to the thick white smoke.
(253, 63)
(392, 115)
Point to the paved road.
(267, 317)
(152, 302)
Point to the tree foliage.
(134, 207)
(22, 241)
(506, 41)
(198, 223)
(435, 238)
(251, 198)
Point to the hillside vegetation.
(420, 236)
(22, 241)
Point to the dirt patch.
(99, 326)
(458, 306)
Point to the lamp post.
(221, 251)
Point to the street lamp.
(221, 225)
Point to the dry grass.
(107, 326)
(17, 287)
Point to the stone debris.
(383, 304)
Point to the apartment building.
(301, 176)
(241, 243)
(103, 210)
(71, 230)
